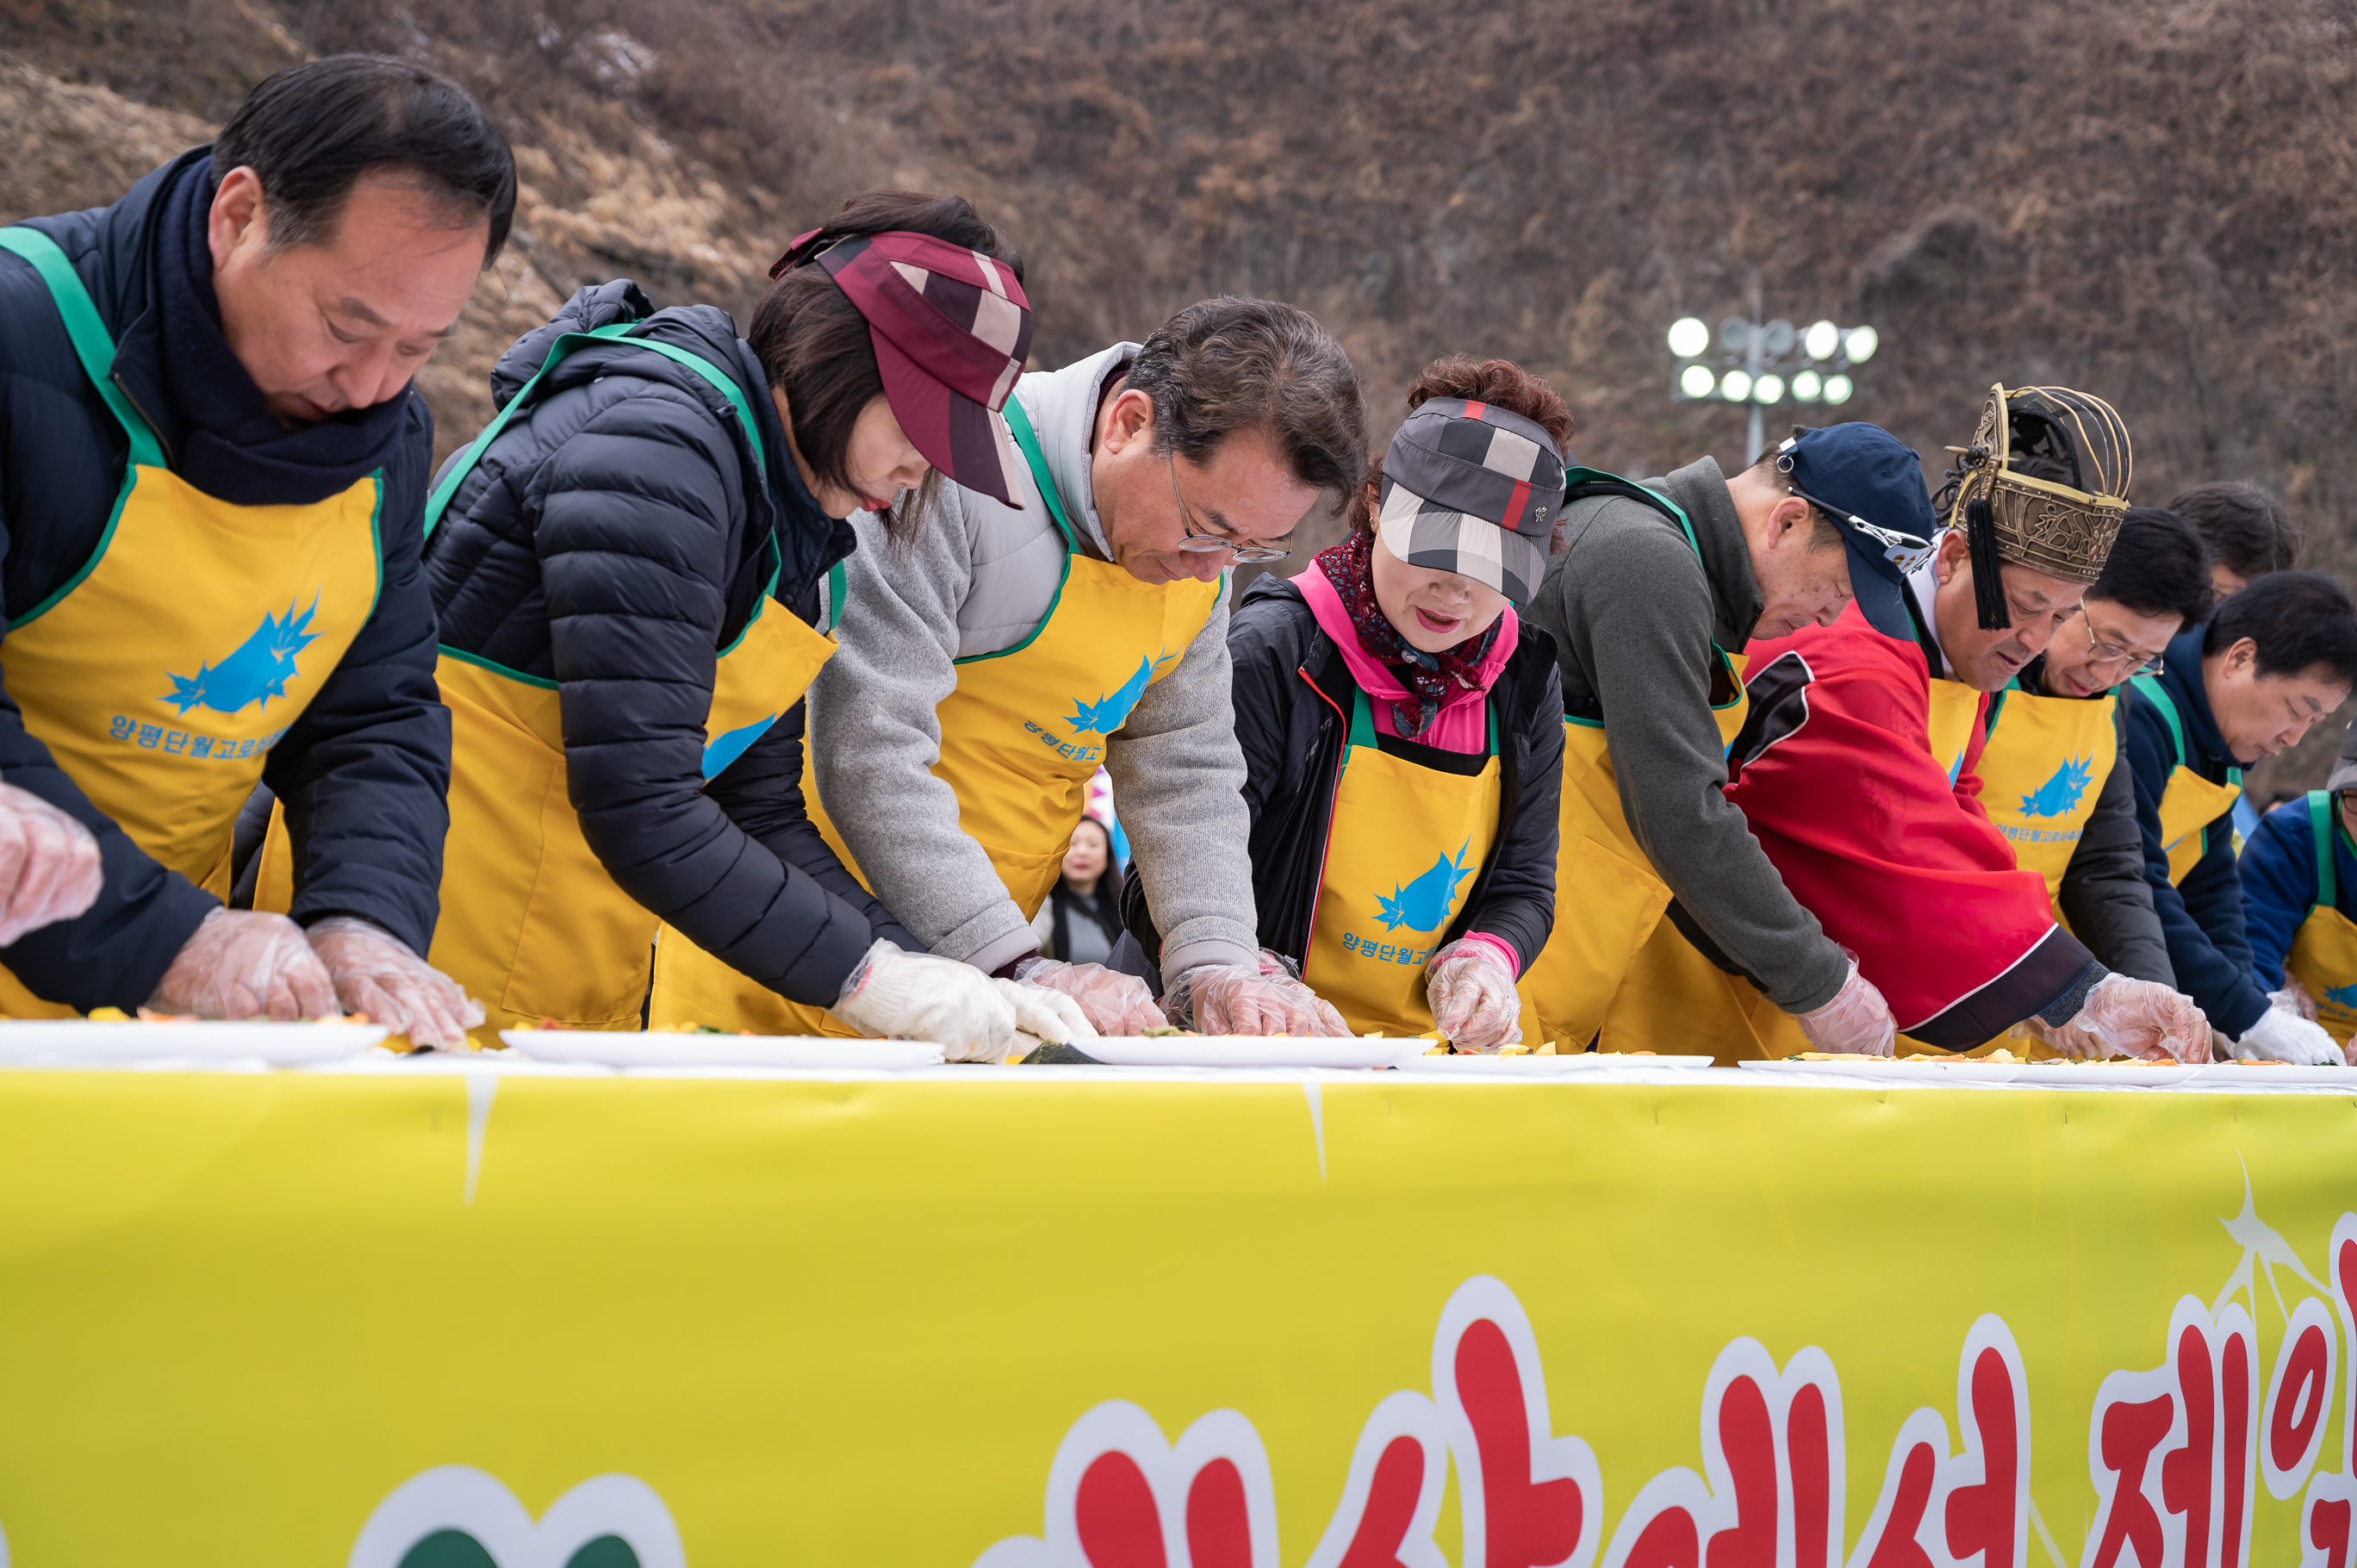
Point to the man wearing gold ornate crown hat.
(1857, 768)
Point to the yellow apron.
(2042, 772)
(532, 924)
(162, 673)
(1954, 709)
(1403, 850)
(1609, 900)
(2191, 803)
(1021, 735)
(2323, 956)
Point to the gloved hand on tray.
(2132, 1017)
(243, 964)
(1857, 1020)
(1114, 1002)
(1262, 998)
(1046, 1013)
(48, 864)
(2281, 1034)
(895, 994)
(1470, 987)
(2294, 997)
(375, 973)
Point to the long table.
(449, 1313)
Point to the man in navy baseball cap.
(1868, 486)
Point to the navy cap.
(1873, 490)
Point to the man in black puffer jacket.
(613, 482)
(241, 481)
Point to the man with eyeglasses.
(2054, 775)
(1857, 766)
(1000, 653)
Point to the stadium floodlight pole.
(1753, 360)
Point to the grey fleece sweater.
(977, 577)
(1634, 615)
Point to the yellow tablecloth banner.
(1024, 1318)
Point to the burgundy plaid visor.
(951, 328)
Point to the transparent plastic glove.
(48, 864)
(1245, 999)
(1857, 1021)
(375, 973)
(2283, 1036)
(1276, 966)
(2294, 997)
(243, 964)
(916, 996)
(1112, 1001)
(1473, 996)
(2139, 1018)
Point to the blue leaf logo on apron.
(2342, 995)
(2061, 792)
(256, 673)
(1424, 903)
(1107, 714)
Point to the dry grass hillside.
(2152, 200)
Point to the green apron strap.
(2152, 692)
(93, 344)
(439, 501)
(2320, 819)
(1579, 484)
(1028, 440)
(1363, 716)
(838, 589)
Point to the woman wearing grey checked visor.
(1401, 727)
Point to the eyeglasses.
(1205, 543)
(1907, 551)
(2113, 653)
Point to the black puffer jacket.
(611, 540)
(1293, 697)
(363, 770)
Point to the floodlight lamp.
(1767, 390)
(1822, 341)
(1689, 337)
(1697, 380)
(1808, 386)
(1837, 389)
(1736, 386)
(1861, 343)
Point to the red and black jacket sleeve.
(1833, 771)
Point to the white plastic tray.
(630, 1049)
(79, 1042)
(1250, 1050)
(1542, 1067)
(2248, 1075)
(1890, 1070)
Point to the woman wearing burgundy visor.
(638, 566)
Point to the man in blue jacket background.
(212, 476)
(2276, 658)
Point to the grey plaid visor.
(1471, 488)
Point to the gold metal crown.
(2049, 525)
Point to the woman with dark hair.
(1403, 728)
(1082, 919)
(637, 567)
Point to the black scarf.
(234, 450)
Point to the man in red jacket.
(1856, 768)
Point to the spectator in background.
(2245, 529)
(2300, 889)
(1082, 919)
